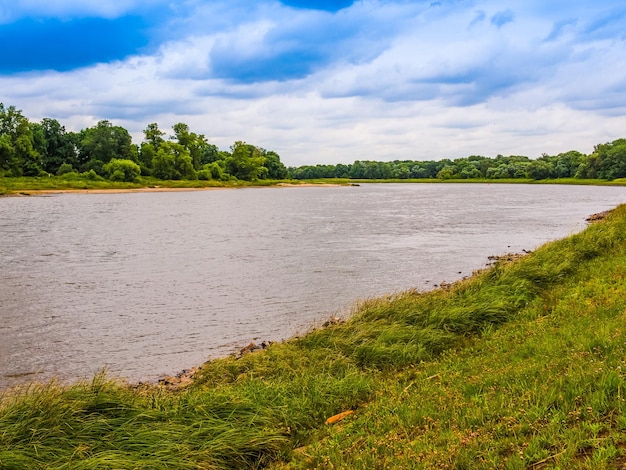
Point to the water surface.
(148, 284)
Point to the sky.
(328, 82)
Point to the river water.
(148, 284)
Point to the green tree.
(153, 135)
(173, 162)
(275, 168)
(153, 138)
(400, 170)
(246, 162)
(446, 173)
(566, 164)
(18, 155)
(99, 144)
(540, 169)
(608, 161)
(342, 171)
(147, 153)
(200, 150)
(55, 145)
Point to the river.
(148, 284)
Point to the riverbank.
(26, 186)
(32, 186)
(523, 365)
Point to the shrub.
(64, 169)
(122, 170)
(92, 175)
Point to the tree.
(173, 162)
(540, 170)
(55, 145)
(200, 150)
(153, 138)
(275, 168)
(17, 153)
(446, 173)
(153, 135)
(608, 161)
(99, 144)
(246, 162)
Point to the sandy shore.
(155, 189)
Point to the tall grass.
(520, 366)
(78, 181)
(75, 181)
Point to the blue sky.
(328, 81)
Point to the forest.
(106, 151)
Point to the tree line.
(607, 161)
(106, 151)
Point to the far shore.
(155, 189)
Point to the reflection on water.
(150, 283)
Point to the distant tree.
(540, 170)
(400, 170)
(246, 162)
(200, 150)
(55, 145)
(18, 155)
(275, 168)
(173, 162)
(209, 153)
(342, 171)
(153, 138)
(446, 173)
(357, 170)
(99, 144)
(608, 161)
(153, 135)
(147, 153)
(566, 164)
(419, 171)
(470, 172)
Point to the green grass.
(25, 184)
(521, 366)
(569, 181)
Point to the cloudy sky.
(328, 81)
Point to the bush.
(64, 169)
(204, 175)
(92, 175)
(122, 170)
(212, 171)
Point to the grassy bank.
(520, 366)
(568, 181)
(60, 183)
(25, 184)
